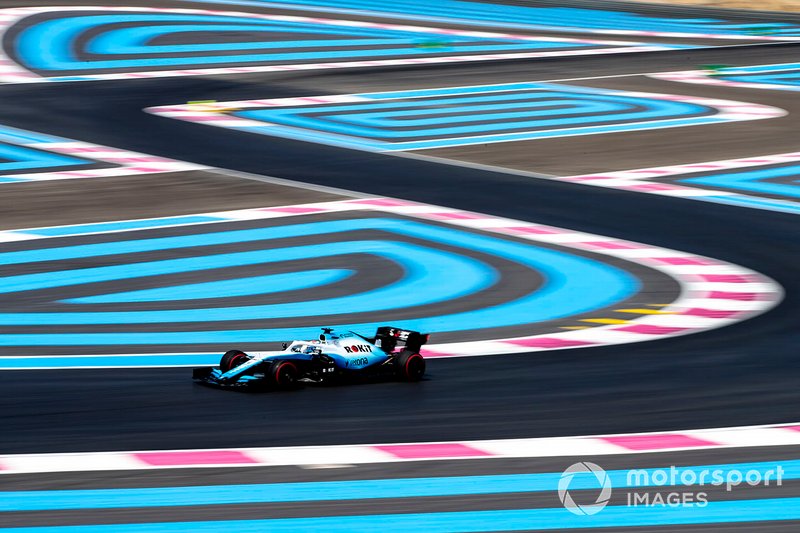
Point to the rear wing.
(387, 338)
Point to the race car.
(392, 352)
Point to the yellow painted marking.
(575, 327)
(605, 320)
(644, 311)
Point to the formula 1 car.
(392, 352)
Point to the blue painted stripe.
(463, 114)
(753, 180)
(450, 91)
(17, 136)
(573, 284)
(103, 227)
(292, 281)
(155, 360)
(366, 144)
(48, 45)
(654, 109)
(136, 40)
(368, 489)
(527, 17)
(753, 202)
(725, 512)
(787, 82)
(577, 111)
(21, 158)
(431, 276)
(762, 68)
(108, 361)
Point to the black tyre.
(410, 366)
(232, 359)
(285, 375)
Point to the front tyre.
(232, 359)
(285, 375)
(409, 366)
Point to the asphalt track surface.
(733, 376)
(739, 375)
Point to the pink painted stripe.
(294, 209)
(382, 202)
(728, 278)
(432, 451)
(187, 458)
(684, 261)
(649, 329)
(547, 342)
(705, 166)
(532, 229)
(712, 313)
(589, 178)
(741, 296)
(661, 441)
(651, 187)
(455, 216)
(147, 170)
(433, 354)
(611, 245)
(655, 171)
(790, 428)
(75, 173)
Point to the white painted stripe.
(343, 455)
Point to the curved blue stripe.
(431, 276)
(475, 113)
(135, 40)
(751, 181)
(49, 45)
(655, 109)
(224, 289)
(789, 81)
(21, 158)
(572, 284)
(517, 16)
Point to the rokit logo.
(358, 348)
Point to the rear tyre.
(232, 359)
(285, 375)
(410, 366)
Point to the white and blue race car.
(392, 352)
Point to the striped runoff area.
(361, 489)
(79, 43)
(763, 182)
(196, 285)
(457, 116)
(26, 156)
(782, 77)
(345, 455)
(532, 17)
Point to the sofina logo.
(584, 476)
